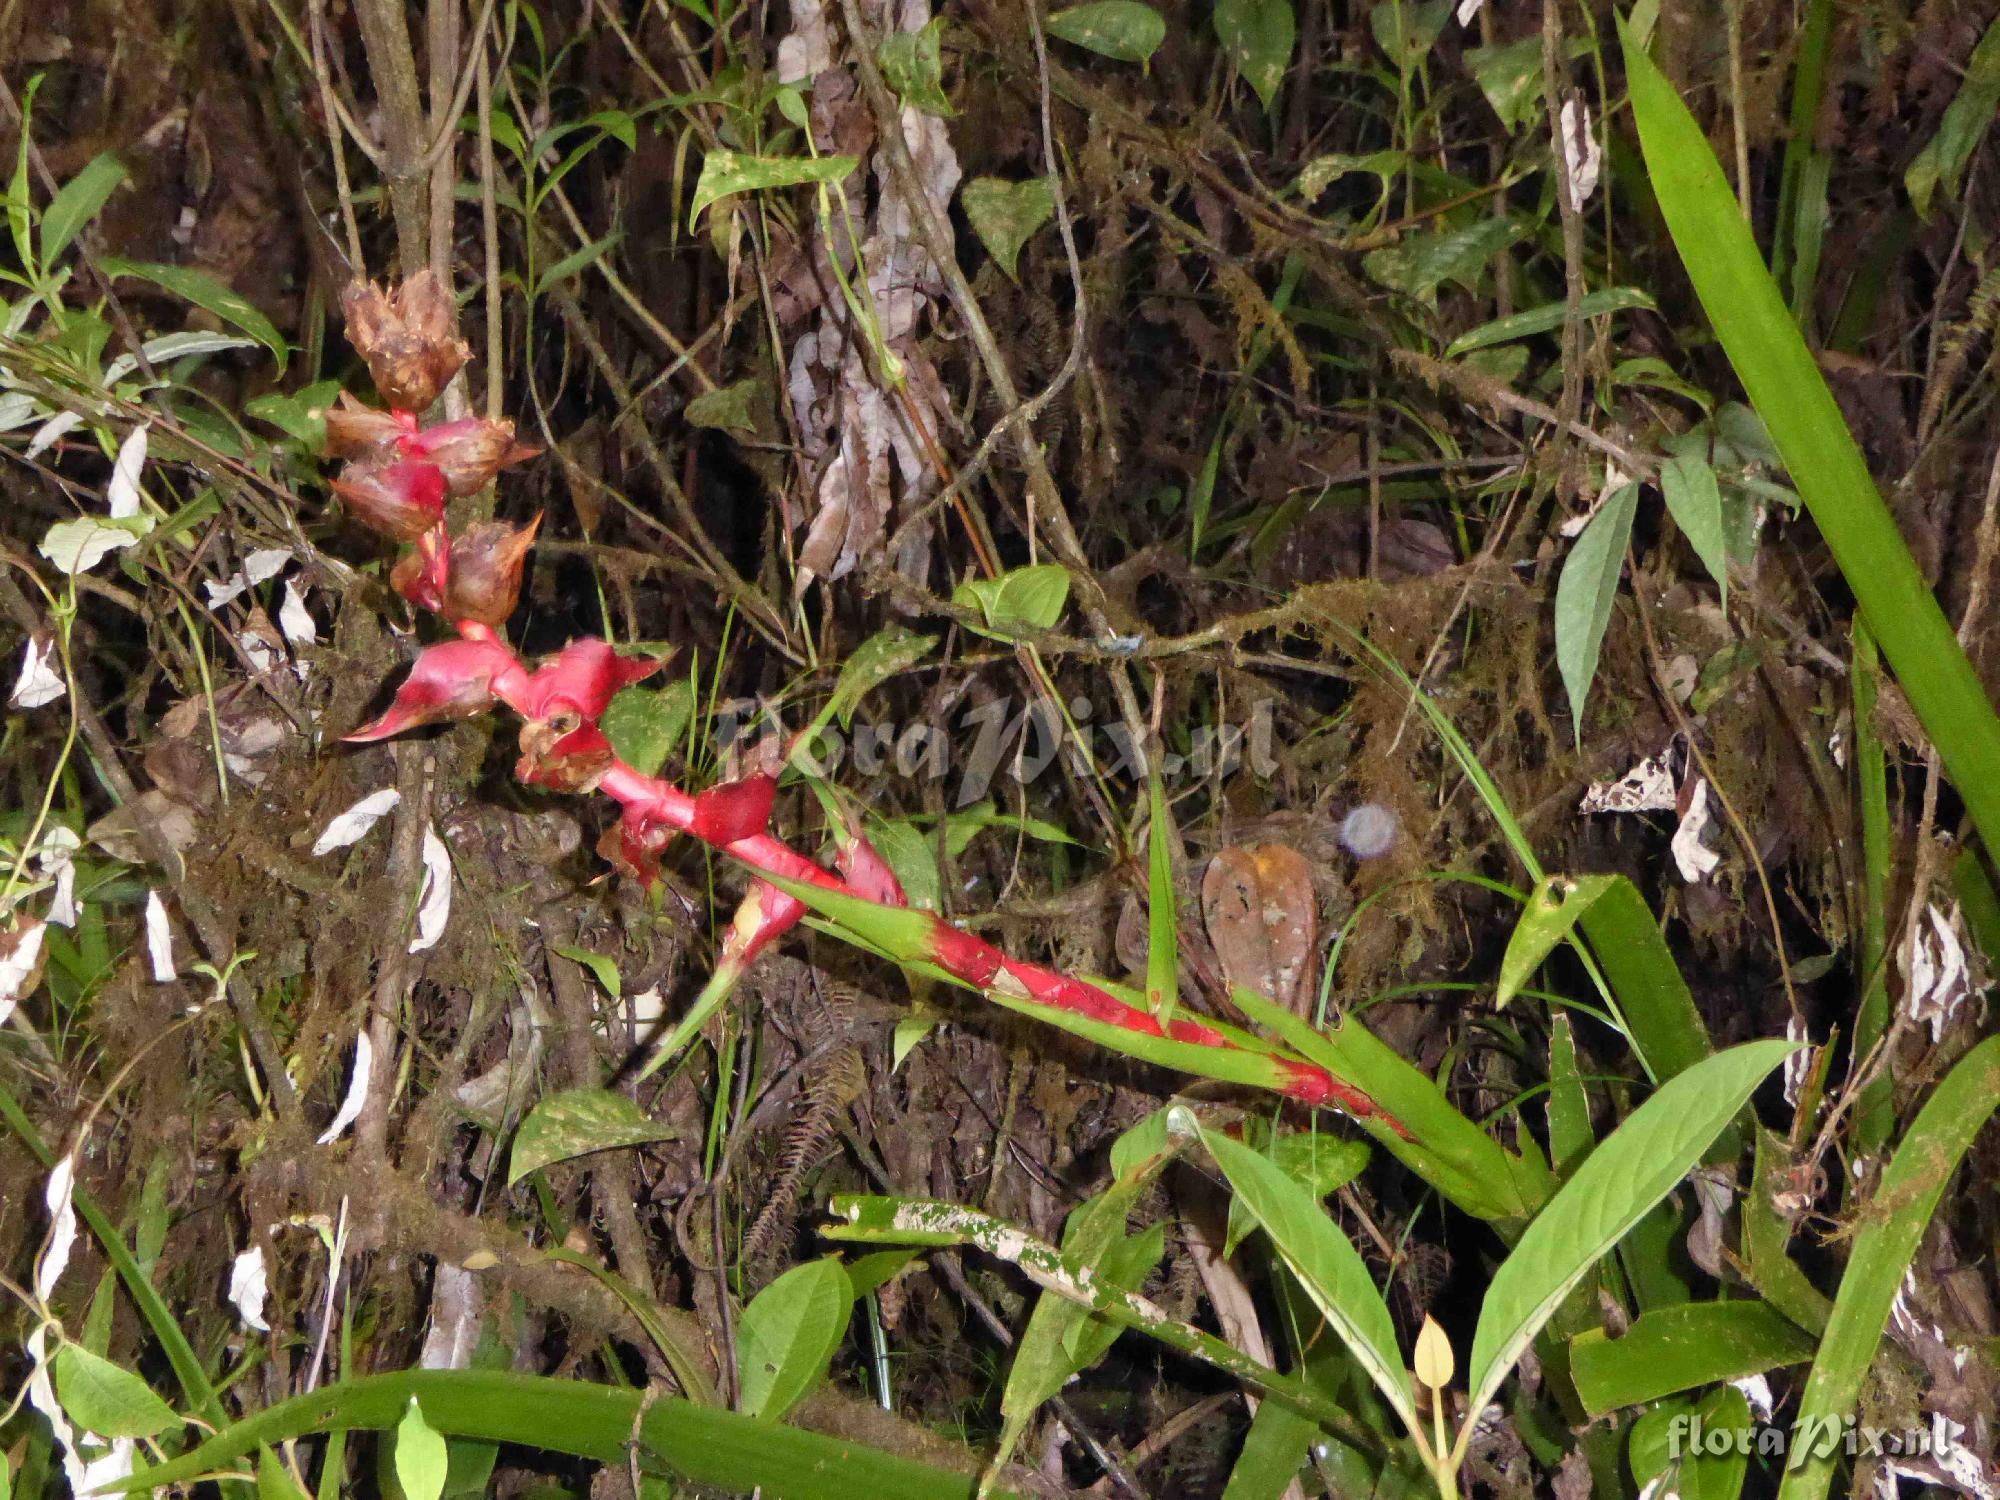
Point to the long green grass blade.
(702, 1445)
(1892, 1223)
(1785, 386)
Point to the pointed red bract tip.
(766, 914)
(866, 872)
(734, 810)
(1319, 1088)
(583, 677)
(449, 681)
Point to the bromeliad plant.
(398, 476)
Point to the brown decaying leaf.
(1262, 919)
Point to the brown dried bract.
(406, 338)
(484, 580)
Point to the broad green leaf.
(1549, 315)
(645, 724)
(601, 967)
(726, 173)
(1322, 172)
(1273, 1450)
(207, 293)
(300, 414)
(1510, 76)
(873, 663)
(787, 1336)
(912, 62)
(421, 1459)
(1632, 1169)
(1328, 1267)
(1125, 1263)
(1584, 593)
(1942, 162)
(1695, 501)
(727, 407)
(1406, 30)
(577, 1122)
(1123, 29)
(913, 857)
(1005, 215)
(1786, 387)
(1032, 596)
(107, 1399)
(867, 1273)
(1661, 1447)
(1682, 1348)
(1891, 1225)
(1257, 36)
(1422, 261)
(723, 1450)
(76, 203)
(910, 1030)
(1320, 1164)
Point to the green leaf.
(78, 546)
(872, 663)
(1570, 1136)
(1420, 262)
(1942, 162)
(727, 407)
(1328, 1267)
(207, 293)
(576, 1123)
(1322, 172)
(1031, 597)
(1695, 501)
(912, 856)
(1257, 36)
(1584, 593)
(421, 1458)
(273, 1483)
(788, 1334)
(1510, 76)
(1891, 1225)
(76, 203)
(702, 1445)
(726, 173)
(910, 1030)
(1635, 1167)
(1786, 387)
(1548, 316)
(644, 724)
(1123, 29)
(1005, 215)
(1406, 30)
(1320, 1164)
(577, 261)
(913, 64)
(601, 968)
(107, 1399)
(1660, 1448)
(1681, 1348)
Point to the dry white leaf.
(1647, 787)
(249, 1285)
(1692, 857)
(357, 1091)
(159, 939)
(1939, 979)
(122, 494)
(59, 1195)
(348, 827)
(1798, 1063)
(1756, 1390)
(1582, 154)
(295, 619)
(39, 681)
(434, 906)
(52, 431)
(20, 963)
(457, 1305)
(56, 860)
(259, 567)
(1468, 11)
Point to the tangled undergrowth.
(1353, 856)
